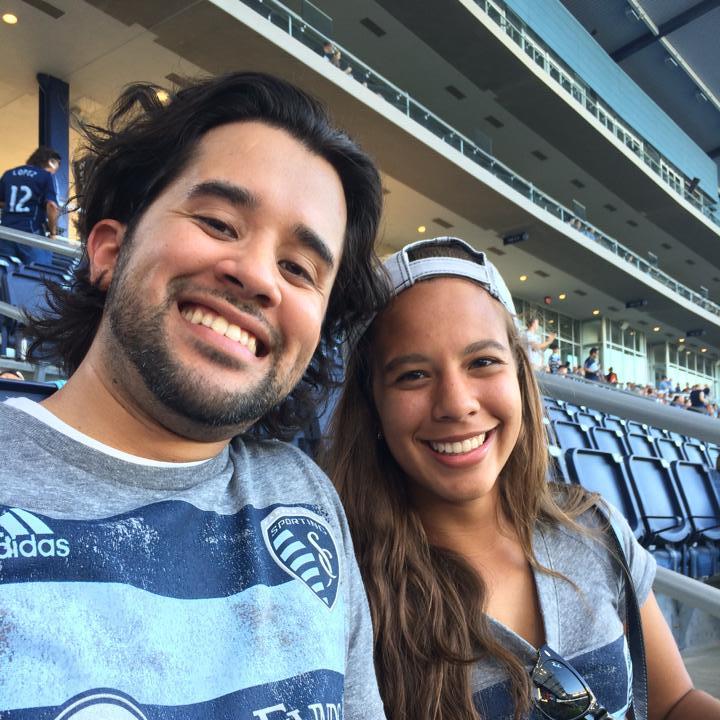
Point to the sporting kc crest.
(302, 544)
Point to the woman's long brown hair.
(427, 603)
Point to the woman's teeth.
(457, 448)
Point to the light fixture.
(551, 322)
(523, 278)
(596, 311)
(9, 19)
(421, 228)
(163, 96)
(681, 340)
(562, 296)
(703, 349)
(656, 328)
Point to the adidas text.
(31, 547)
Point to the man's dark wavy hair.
(125, 167)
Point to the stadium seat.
(556, 413)
(614, 423)
(698, 492)
(604, 473)
(662, 511)
(636, 427)
(589, 418)
(668, 449)
(570, 435)
(695, 452)
(640, 444)
(18, 388)
(608, 440)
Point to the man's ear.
(103, 249)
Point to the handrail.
(546, 59)
(62, 247)
(688, 591)
(284, 18)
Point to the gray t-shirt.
(137, 589)
(584, 626)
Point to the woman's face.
(446, 389)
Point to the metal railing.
(582, 94)
(352, 66)
(687, 591)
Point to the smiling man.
(155, 561)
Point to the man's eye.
(216, 225)
(297, 270)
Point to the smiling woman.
(475, 565)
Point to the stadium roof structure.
(671, 49)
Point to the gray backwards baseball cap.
(404, 272)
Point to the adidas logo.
(24, 535)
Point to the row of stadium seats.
(665, 484)
(22, 287)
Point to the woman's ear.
(103, 249)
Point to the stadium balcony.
(491, 46)
(417, 148)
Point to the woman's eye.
(483, 362)
(410, 376)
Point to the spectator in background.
(333, 55)
(535, 344)
(698, 401)
(592, 365)
(611, 377)
(554, 361)
(28, 199)
(665, 385)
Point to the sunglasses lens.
(560, 692)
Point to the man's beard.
(142, 337)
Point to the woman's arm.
(671, 695)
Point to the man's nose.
(251, 267)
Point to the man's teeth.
(456, 448)
(221, 326)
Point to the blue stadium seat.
(668, 449)
(636, 427)
(614, 423)
(589, 418)
(640, 444)
(25, 388)
(702, 503)
(604, 473)
(662, 511)
(25, 290)
(558, 466)
(570, 435)
(608, 440)
(656, 432)
(556, 413)
(571, 409)
(713, 452)
(676, 436)
(695, 452)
